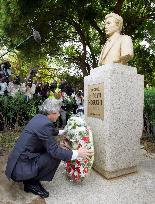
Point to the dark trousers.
(46, 167)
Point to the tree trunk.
(118, 6)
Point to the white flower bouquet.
(78, 135)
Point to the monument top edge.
(114, 67)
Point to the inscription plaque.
(95, 106)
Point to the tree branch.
(118, 6)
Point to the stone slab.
(117, 136)
(114, 174)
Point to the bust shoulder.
(126, 38)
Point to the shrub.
(16, 111)
(149, 104)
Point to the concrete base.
(114, 174)
(114, 96)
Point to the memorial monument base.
(114, 96)
(114, 174)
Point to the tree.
(73, 30)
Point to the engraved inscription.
(95, 106)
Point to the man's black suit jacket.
(38, 137)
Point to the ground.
(137, 188)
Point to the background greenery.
(72, 34)
(16, 112)
(149, 104)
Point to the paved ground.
(137, 188)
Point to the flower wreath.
(78, 135)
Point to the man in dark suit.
(36, 154)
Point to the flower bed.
(78, 135)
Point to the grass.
(8, 138)
(149, 144)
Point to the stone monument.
(114, 106)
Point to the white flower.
(79, 134)
(75, 173)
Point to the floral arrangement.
(78, 135)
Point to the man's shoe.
(42, 188)
(35, 189)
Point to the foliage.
(76, 82)
(149, 104)
(16, 111)
(144, 62)
(72, 31)
(70, 104)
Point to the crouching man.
(36, 154)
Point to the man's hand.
(64, 144)
(85, 153)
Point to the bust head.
(113, 24)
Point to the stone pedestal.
(114, 96)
